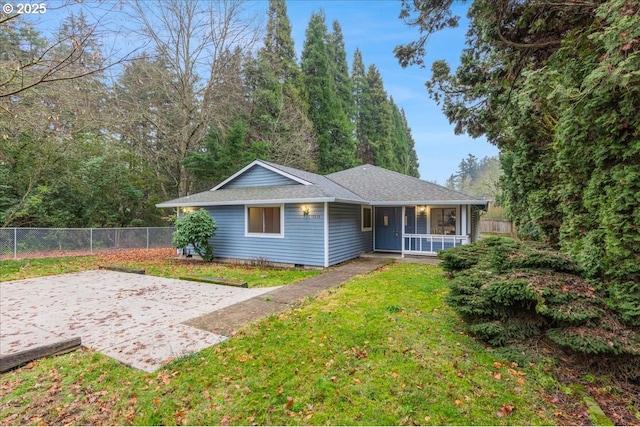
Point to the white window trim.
(457, 208)
(362, 208)
(264, 235)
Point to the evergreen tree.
(336, 146)
(556, 88)
(277, 114)
(382, 133)
(279, 48)
(223, 155)
(365, 152)
(405, 156)
(340, 68)
(379, 123)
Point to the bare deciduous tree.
(201, 46)
(27, 60)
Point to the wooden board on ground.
(216, 280)
(11, 361)
(121, 269)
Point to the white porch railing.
(430, 244)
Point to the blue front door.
(388, 232)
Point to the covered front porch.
(422, 229)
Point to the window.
(366, 218)
(443, 221)
(265, 221)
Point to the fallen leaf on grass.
(505, 410)
(516, 373)
(289, 403)
(458, 402)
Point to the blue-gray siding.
(346, 240)
(303, 241)
(258, 176)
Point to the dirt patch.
(619, 400)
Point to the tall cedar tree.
(277, 112)
(279, 47)
(555, 86)
(365, 151)
(336, 146)
(379, 123)
(382, 134)
(340, 68)
(406, 158)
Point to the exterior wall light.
(305, 210)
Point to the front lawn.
(381, 350)
(156, 262)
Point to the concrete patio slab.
(136, 319)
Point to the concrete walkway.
(145, 321)
(229, 319)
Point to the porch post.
(402, 230)
(463, 220)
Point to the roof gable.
(259, 174)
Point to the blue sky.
(374, 28)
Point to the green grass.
(173, 268)
(36, 267)
(382, 349)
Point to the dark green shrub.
(465, 295)
(513, 291)
(501, 253)
(500, 333)
(459, 258)
(597, 340)
(624, 298)
(195, 229)
(534, 258)
(467, 256)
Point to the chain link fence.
(50, 242)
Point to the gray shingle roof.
(362, 184)
(382, 186)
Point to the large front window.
(443, 221)
(264, 221)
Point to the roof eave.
(426, 202)
(245, 202)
